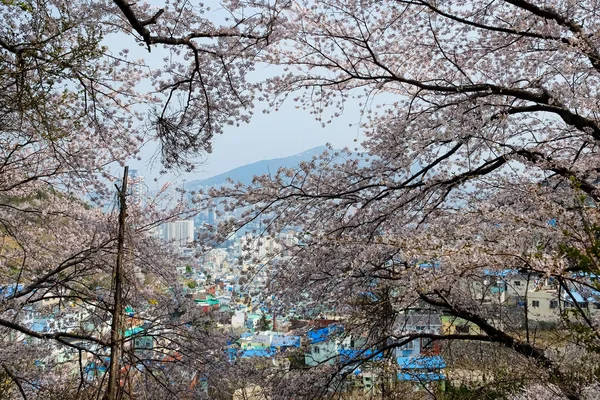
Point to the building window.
(409, 346)
(597, 306)
(462, 329)
(426, 343)
(316, 350)
(553, 303)
(535, 303)
(517, 283)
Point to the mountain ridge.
(247, 172)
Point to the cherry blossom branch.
(60, 336)
(503, 338)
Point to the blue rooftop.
(576, 295)
(582, 274)
(133, 331)
(95, 367)
(321, 335)
(9, 290)
(348, 355)
(369, 295)
(421, 362)
(250, 353)
(40, 325)
(429, 264)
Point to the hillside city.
(228, 282)
(300, 200)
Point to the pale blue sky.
(267, 136)
(278, 134)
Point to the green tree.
(263, 323)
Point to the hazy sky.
(278, 134)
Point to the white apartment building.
(181, 233)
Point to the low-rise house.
(543, 305)
(238, 320)
(141, 341)
(422, 322)
(277, 341)
(323, 345)
(419, 360)
(421, 369)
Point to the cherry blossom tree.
(481, 156)
(74, 101)
(481, 124)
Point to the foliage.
(192, 284)
(481, 125)
(263, 323)
(77, 97)
(480, 157)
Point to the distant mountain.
(246, 173)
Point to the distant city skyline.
(137, 187)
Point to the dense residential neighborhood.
(282, 340)
(300, 199)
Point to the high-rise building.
(212, 218)
(137, 188)
(181, 233)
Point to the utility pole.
(116, 334)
